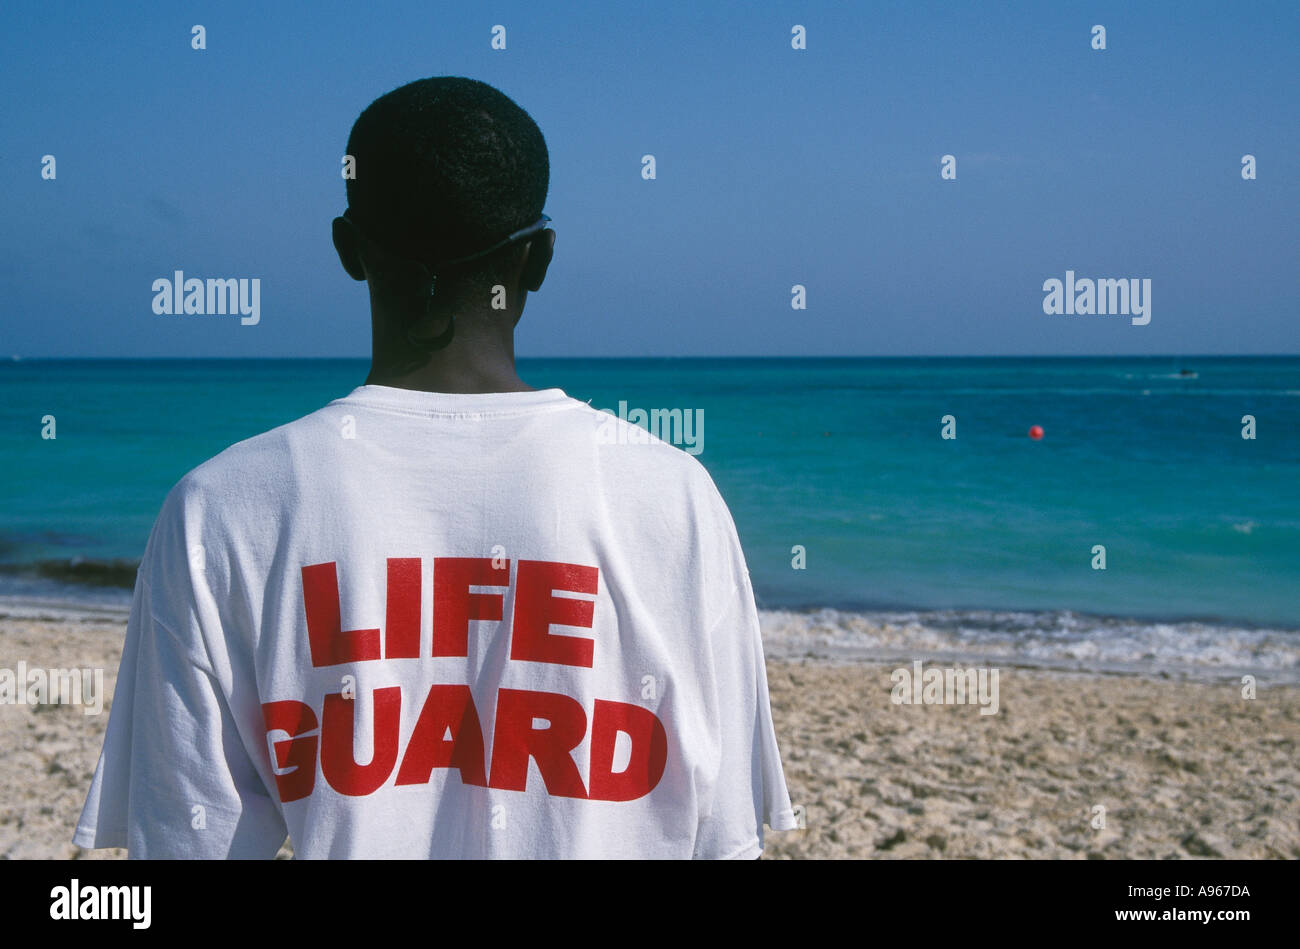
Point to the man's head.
(444, 168)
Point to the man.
(446, 615)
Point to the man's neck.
(439, 375)
(480, 357)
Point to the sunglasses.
(513, 238)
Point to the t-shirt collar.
(456, 403)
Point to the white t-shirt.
(428, 625)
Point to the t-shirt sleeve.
(174, 778)
(749, 786)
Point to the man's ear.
(347, 241)
(540, 251)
